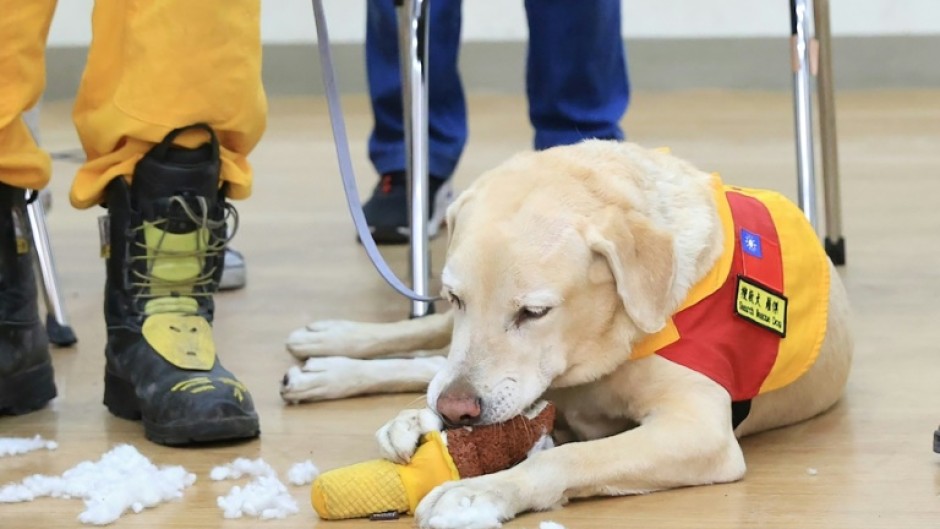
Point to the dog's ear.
(450, 218)
(642, 261)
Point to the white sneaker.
(233, 273)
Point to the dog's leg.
(370, 340)
(686, 439)
(339, 377)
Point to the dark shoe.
(26, 376)
(386, 211)
(167, 237)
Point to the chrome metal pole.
(413, 21)
(57, 323)
(803, 54)
(58, 328)
(832, 196)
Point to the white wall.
(291, 21)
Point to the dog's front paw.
(398, 439)
(326, 338)
(475, 503)
(320, 379)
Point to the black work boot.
(26, 378)
(167, 237)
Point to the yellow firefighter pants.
(153, 66)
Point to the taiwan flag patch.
(761, 259)
(751, 244)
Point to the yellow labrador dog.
(665, 314)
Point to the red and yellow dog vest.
(756, 321)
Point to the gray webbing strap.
(345, 160)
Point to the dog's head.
(555, 267)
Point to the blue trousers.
(576, 79)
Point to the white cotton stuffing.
(242, 467)
(264, 497)
(11, 446)
(122, 479)
(302, 473)
(551, 525)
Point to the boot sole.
(28, 390)
(121, 400)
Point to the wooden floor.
(875, 467)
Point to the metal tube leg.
(57, 325)
(835, 243)
(802, 50)
(413, 22)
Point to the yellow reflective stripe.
(185, 384)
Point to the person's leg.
(576, 77)
(26, 375)
(170, 105)
(387, 209)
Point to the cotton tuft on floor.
(11, 446)
(264, 497)
(302, 473)
(121, 480)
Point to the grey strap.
(345, 161)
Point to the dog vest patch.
(756, 321)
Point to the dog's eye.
(531, 313)
(456, 301)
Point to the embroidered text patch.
(761, 305)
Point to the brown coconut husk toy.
(381, 487)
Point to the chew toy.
(380, 486)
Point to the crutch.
(57, 324)
(413, 22)
(811, 56)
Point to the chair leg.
(803, 61)
(835, 242)
(57, 325)
(413, 21)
